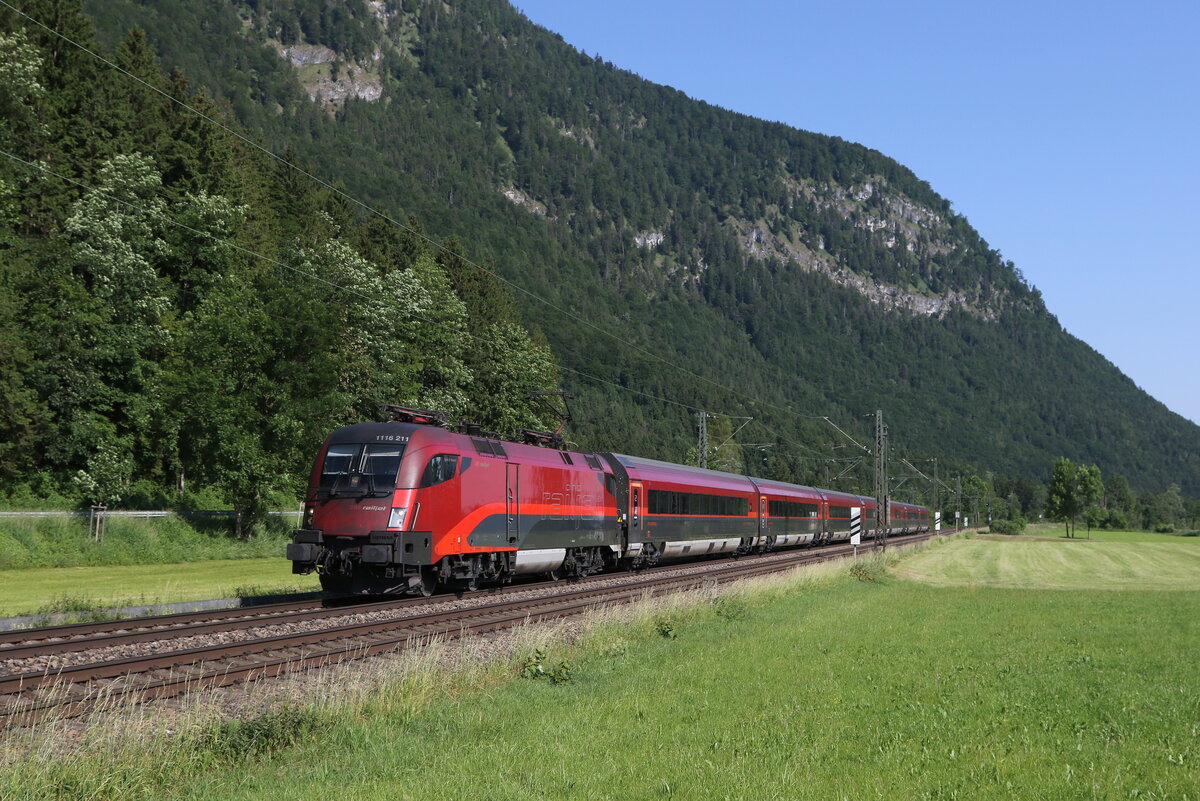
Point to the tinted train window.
(663, 502)
(380, 462)
(793, 509)
(339, 461)
(839, 512)
(440, 468)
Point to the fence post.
(96, 523)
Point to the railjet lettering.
(573, 495)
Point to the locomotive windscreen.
(379, 463)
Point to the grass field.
(60, 589)
(1055, 530)
(838, 688)
(1021, 562)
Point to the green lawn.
(876, 689)
(1057, 531)
(1065, 564)
(31, 590)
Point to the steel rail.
(80, 688)
(23, 643)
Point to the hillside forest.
(228, 242)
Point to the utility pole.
(937, 490)
(702, 446)
(881, 480)
(958, 504)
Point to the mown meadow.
(94, 590)
(52, 564)
(859, 682)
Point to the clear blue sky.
(1066, 132)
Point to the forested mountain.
(178, 313)
(662, 247)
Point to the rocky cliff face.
(330, 79)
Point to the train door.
(512, 503)
(636, 500)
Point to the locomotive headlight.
(396, 518)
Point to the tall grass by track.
(829, 685)
(64, 541)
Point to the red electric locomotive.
(407, 506)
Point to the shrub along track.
(178, 665)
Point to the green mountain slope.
(803, 274)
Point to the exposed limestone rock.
(524, 201)
(380, 10)
(302, 55)
(761, 244)
(649, 239)
(356, 82)
(582, 136)
(353, 80)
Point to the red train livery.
(406, 507)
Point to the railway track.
(69, 690)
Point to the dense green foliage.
(1076, 490)
(476, 101)
(182, 321)
(662, 247)
(1010, 526)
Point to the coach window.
(440, 468)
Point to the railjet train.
(410, 506)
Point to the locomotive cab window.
(382, 462)
(440, 468)
(339, 461)
(345, 463)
